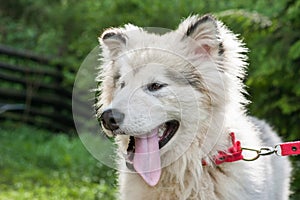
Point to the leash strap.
(234, 153)
(283, 149)
(288, 148)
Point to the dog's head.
(161, 91)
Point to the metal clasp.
(264, 151)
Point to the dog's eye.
(152, 87)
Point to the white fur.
(208, 109)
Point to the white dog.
(172, 101)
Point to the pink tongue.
(147, 158)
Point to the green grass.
(37, 164)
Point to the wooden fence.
(33, 90)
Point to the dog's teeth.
(161, 131)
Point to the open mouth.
(166, 131)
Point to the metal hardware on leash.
(264, 151)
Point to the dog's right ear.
(112, 42)
(202, 31)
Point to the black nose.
(111, 119)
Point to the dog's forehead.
(143, 71)
(150, 55)
(147, 58)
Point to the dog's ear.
(203, 32)
(112, 42)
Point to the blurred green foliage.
(36, 164)
(68, 29)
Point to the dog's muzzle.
(111, 119)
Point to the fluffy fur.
(202, 64)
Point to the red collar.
(233, 153)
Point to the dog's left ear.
(203, 33)
(113, 42)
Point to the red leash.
(288, 148)
(234, 153)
